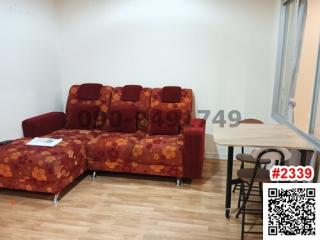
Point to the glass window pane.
(287, 57)
(317, 122)
(315, 119)
(306, 75)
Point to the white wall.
(29, 70)
(224, 50)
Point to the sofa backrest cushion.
(131, 93)
(164, 122)
(171, 94)
(122, 119)
(82, 117)
(142, 105)
(89, 91)
(103, 103)
(184, 106)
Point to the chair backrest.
(274, 154)
(141, 103)
(165, 100)
(251, 121)
(90, 94)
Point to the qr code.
(291, 211)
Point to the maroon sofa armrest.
(43, 124)
(193, 148)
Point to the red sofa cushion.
(82, 117)
(164, 122)
(171, 94)
(131, 93)
(142, 105)
(185, 104)
(122, 119)
(112, 147)
(89, 91)
(103, 102)
(77, 136)
(159, 150)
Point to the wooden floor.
(125, 207)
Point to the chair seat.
(262, 175)
(249, 159)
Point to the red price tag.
(291, 173)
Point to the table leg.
(303, 157)
(229, 182)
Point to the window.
(296, 93)
(315, 119)
(288, 61)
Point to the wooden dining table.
(256, 135)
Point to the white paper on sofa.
(44, 142)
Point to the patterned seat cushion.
(159, 150)
(77, 138)
(20, 163)
(112, 147)
(76, 135)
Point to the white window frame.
(315, 101)
(275, 114)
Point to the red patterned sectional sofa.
(127, 129)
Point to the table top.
(259, 135)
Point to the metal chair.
(246, 157)
(260, 176)
(256, 190)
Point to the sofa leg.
(179, 182)
(94, 174)
(56, 198)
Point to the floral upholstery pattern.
(40, 169)
(103, 103)
(185, 105)
(159, 150)
(159, 170)
(142, 105)
(112, 148)
(76, 135)
(136, 153)
(50, 170)
(77, 138)
(132, 167)
(114, 166)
